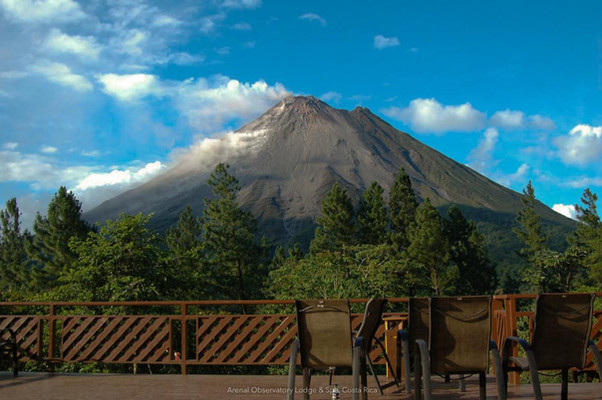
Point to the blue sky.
(101, 95)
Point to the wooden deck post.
(51, 327)
(184, 355)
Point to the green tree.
(468, 252)
(429, 250)
(14, 274)
(335, 225)
(372, 216)
(586, 242)
(185, 259)
(233, 257)
(359, 271)
(530, 233)
(402, 209)
(50, 245)
(121, 262)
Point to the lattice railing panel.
(27, 330)
(116, 339)
(254, 339)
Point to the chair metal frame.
(318, 337)
(577, 314)
(453, 308)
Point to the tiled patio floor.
(41, 386)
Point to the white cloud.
(120, 177)
(566, 210)
(130, 87)
(509, 179)
(332, 97)
(209, 104)
(430, 116)
(209, 23)
(49, 149)
(313, 17)
(84, 47)
(539, 122)
(34, 11)
(582, 182)
(583, 145)
(241, 3)
(481, 157)
(10, 145)
(382, 42)
(61, 74)
(508, 119)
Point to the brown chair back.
(460, 334)
(563, 324)
(324, 333)
(419, 320)
(372, 320)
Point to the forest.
(389, 245)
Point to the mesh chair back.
(563, 324)
(324, 333)
(460, 334)
(419, 320)
(372, 320)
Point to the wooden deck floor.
(42, 386)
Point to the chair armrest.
(532, 364)
(508, 346)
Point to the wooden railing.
(197, 333)
(177, 337)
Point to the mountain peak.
(304, 105)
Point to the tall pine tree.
(13, 257)
(50, 245)
(232, 255)
(530, 233)
(402, 208)
(468, 252)
(184, 257)
(586, 242)
(429, 250)
(335, 225)
(372, 216)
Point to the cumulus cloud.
(566, 210)
(36, 11)
(539, 122)
(313, 18)
(430, 116)
(508, 119)
(382, 42)
(62, 74)
(209, 104)
(85, 47)
(10, 145)
(130, 87)
(481, 157)
(242, 26)
(582, 146)
(582, 182)
(120, 177)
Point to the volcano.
(288, 159)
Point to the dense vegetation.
(389, 246)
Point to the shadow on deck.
(37, 386)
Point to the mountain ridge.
(287, 159)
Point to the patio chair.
(8, 347)
(418, 328)
(560, 338)
(367, 331)
(459, 343)
(324, 341)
